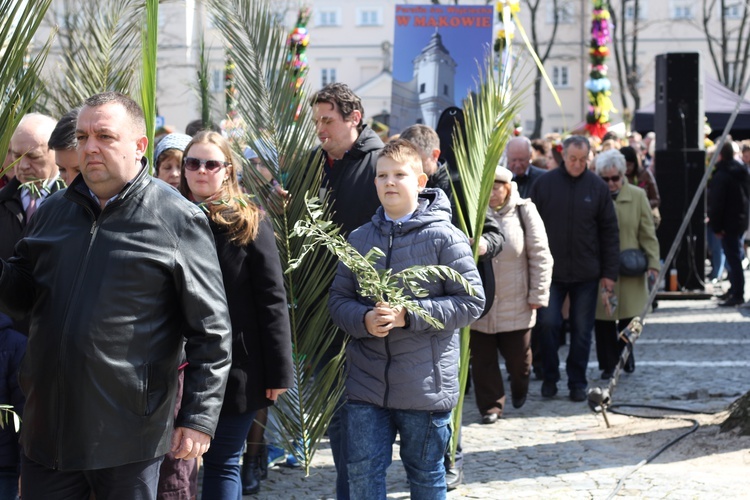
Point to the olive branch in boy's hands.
(385, 288)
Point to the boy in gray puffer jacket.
(402, 373)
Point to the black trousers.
(608, 345)
(515, 347)
(136, 481)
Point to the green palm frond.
(19, 81)
(149, 34)
(99, 42)
(280, 130)
(377, 285)
(488, 118)
(202, 85)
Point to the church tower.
(434, 72)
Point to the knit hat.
(171, 141)
(249, 154)
(502, 174)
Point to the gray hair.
(609, 159)
(578, 141)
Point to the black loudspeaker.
(678, 176)
(678, 113)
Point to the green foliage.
(100, 51)
(202, 84)
(148, 73)
(6, 413)
(19, 81)
(280, 130)
(488, 117)
(377, 285)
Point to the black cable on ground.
(695, 426)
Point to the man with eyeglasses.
(581, 225)
(118, 272)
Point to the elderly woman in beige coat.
(522, 274)
(636, 231)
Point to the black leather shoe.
(454, 476)
(519, 402)
(489, 418)
(250, 475)
(732, 302)
(578, 394)
(549, 389)
(607, 374)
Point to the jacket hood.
(433, 206)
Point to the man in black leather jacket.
(116, 271)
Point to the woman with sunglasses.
(261, 350)
(636, 231)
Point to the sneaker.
(276, 455)
(489, 418)
(549, 389)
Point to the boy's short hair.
(403, 151)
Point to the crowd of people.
(144, 320)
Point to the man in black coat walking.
(728, 216)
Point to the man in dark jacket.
(350, 151)
(35, 165)
(581, 225)
(117, 270)
(518, 154)
(728, 216)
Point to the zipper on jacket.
(66, 323)
(387, 344)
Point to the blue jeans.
(371, 433)
(717, 256)
(8, 483)
(221, 472)
(732, 245)
(583, 297)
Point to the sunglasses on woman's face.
(614, 178)
(194, 164)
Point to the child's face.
(398, 186)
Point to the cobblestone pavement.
(692, 355)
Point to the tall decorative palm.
(148, 73)
(100, 51)
(19, 81)
(280, 130)
(488, 125)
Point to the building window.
(681, 9)
(368, 16)
(422, 88)
(733, 11)
(630, 10)
(216, 83)
(327, 75)
(445, 89)
(328, 18)
(565, 12)
(560, 76)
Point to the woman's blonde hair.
(230, 207)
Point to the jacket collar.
(79, 189)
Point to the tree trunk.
(537, 133)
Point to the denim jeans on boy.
(732, 245)
(371, 432)
(583, 297)
(221, 472)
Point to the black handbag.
(633, 262)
